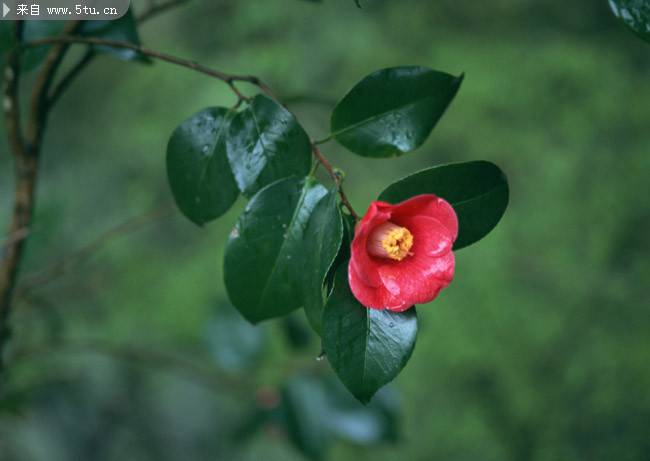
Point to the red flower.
(402, 254)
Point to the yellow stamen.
(390, 241)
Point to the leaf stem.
(328, 138)
(336, 178)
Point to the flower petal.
(373, 297)
(418, 280)
(362, 264)
(430, 236)
(428, 205)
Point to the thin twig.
(143, 355)
(60, 268)
(39, 108)
(14, 237)
(155, 8)
(70, 77)
(229, 79)
(309, 99)
(336, 178)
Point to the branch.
(70, 77)
(229, 79)
(39, 107)
(155, 8)
(14, 237)
(142, 355)
(325, 101)
(25, 171)
(336, 178)
(60, 268)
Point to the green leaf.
(197, 166)
(364, 425)
(235, 344)
(266, 144)
(297, 333)
(35, 30)
(366, 347)
(323, 240)
(305, 408)
(477, 190)
(635, 14)
(263, 262)
(7, 41)
(392, 111)
(124, 29)
(317, 410)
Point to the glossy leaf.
(323, 241)
(123, 29)
(392, 111)
(477, 190)
(366, 347)
(197, 166)
(635, 14)
(263, 267)
(266, 144)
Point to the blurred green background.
(539, 350)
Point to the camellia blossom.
(401, 254)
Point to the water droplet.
(205, 149)
(391, 324)
(321, 357)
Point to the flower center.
(390, 241)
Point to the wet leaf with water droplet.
(266, 143)
(392, 111)
(635, 14)
(366, 347)
(263, 266)
(197, 167)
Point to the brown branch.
(20, 218)
(70, 77)
(39, 107)
(14, 237)
(155, 8)
(336, 178)
(25, 150)
(229, 79)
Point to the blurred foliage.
(539, 350)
